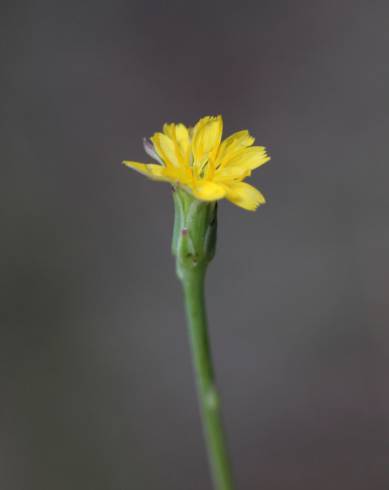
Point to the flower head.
(197, 160)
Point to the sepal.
(195, 229)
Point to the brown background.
(97, 390)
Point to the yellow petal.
(181, 133)
(166, 149)
(206, 138)
(249, 158)
(169, 129)
(208, 191)
(245, 196)
(232, 144)
(182, 141)
(232, 174)
(150, 170)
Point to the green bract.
(194, 235)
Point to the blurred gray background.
(96, 380)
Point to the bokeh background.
(96, 380)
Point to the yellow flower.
(197, 160)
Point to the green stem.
(192, 279)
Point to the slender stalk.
(193, 285)
(194, 244)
